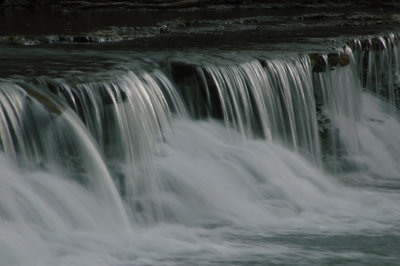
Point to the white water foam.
(217, 193)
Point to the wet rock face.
(190, 87)
(320, 62)
(197, 89)
(162, 4)
(338, 58)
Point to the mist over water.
(220, 201)
(254, 163)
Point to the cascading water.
(126, 117)
(294, 81)
(378, 63)
(338, 92)
(59, 140)
(274, 101)
(257, 162)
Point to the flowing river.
(124, 157)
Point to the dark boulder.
(318, 62)
(164, 29)
(338, 58)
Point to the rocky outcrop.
(338, 59)
(134, 4)
(318, 62)
(173, 4)
(322, 62)
(164, 29)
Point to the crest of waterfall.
(378, 62)
(273, 99)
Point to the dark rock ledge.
(174, 4)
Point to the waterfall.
(126, 118)
(221, 161)
(271, 99)
(282, 100)
(338, 93)
(378, 62)
(296, 92)
(62, 140)
(11, 109)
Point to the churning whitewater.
(243, 163)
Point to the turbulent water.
(207, 161)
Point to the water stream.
(213, 162)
